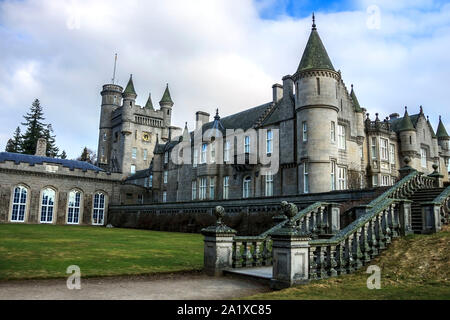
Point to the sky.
(222, 54)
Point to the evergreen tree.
(52, 149)
(63, 155)
(87, 155)
(15, 144)
(35, 128)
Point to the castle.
(327, 142)
(314, 134)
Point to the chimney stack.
(41, 147)
(288, 87)
(277, 90)
(201, 118)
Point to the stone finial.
(220, 227)
(219, 212)
(407, 160)
(314, 22)
(421, 110)
(435, 167)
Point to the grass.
(45, 251)
(413, 267)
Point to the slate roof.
(315, 56)
(149, 103)
(166, 98)
(130, 86)
(356, 105)
(441, 132)
(140, 174)
(32, 160)
(401, 124)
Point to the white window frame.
(19, 203)
(166, 157)
(226, 187)
(212, 187)
(74, 209)
(423, 157)
(385, 180)
(98, 208)
(333, 132)
(342, 178)
(133, 153)
(373, 147)
(247, 144)
(392, 153)
(341, 137)
(333, 175)
(164, 196)
(269, 138)
(145, 154)
(165, 176)
(226, 153)
(304, 131)
(269, 184)
(384, 149)
(246, 187)
(212, 152)
(194, 189)
(150, 182)
(46, 208)
(203, 153)
(375, 180)
(195, 163)
(202, 189)
(305, 177)
(133, 169)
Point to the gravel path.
(162, 287)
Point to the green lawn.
(413, 267)
(45, 251)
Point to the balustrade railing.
(443, 200)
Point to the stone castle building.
(326, 142)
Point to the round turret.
(408, 136)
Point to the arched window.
(19, 204)
(246, 187)
(99, 209)
(73, 207)
(47, 205)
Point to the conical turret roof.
(166, 98)
(130, 86)
(149, 103)
(356, 105)
(406, 123)
(441, 132)
(433, 135)
(315, 56)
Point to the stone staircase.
(419, 198)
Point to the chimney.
(288, 85)
(394, 116)
(277, 91)
(174, 133)
(41, 147)
(200, 119)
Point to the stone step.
(263, 274)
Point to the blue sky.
(222, 54)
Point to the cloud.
(213, 54)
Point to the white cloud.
(212, 54)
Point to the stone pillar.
(438, 178)
(290, 250)
(405, 170)
(41, 147)
(431, 217)
(334, 217)
(218, 247)
(405, 217)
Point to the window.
(194, 190)
(375, 180)
(423, 157)
(212, 187)
(203, 155)
(269, 184)
(202, 191)
(47, 205)
(164, 199)
(392, 153)
(19, 204)
(269, 141)
(341, 137)
(333, 132)
(99, 209)
(333, 175)
(246, 187)
(213, 152)
(361, 152)
(318, 86)
(195, 158)
(166, 157)
(373, 147)
(226, 186)
(247, 144)
(104, 136)
(133, 169)
(305, 131)
(145, 154)
(140, 199)
(73, 207)
(165, 174)
(150, 183)
(146, 182)
(134, 153)
(385, 180)
(342, 178)
(384, 149)
(305, 178)
(226, 154)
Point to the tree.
(15, 144)
(52, 149)
(35, 128)
(63, 155)
(88, 155)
